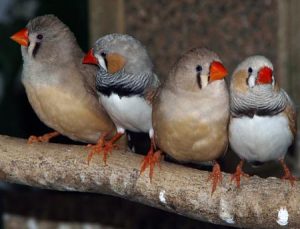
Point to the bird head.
(197, 69)
(111, 62)
(253, 72)
(115, 52)
(45, 38)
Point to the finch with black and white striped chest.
(125, 84)
(263, 118)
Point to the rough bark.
(259, 203)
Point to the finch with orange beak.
(60, 89)
(125, 85)
(191, 111)
(263, 117)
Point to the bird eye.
(250, 70)
(199, 68)
(39, 36)
(103, 54)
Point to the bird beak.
(217, 71)
(264, 76)
(21, 37)
(89, 58)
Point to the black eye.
(39, 36)
(103, 54)
(199, 68)
(250, 70)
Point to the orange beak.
(21, 37)
(217, 71)
(90, 58)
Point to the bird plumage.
(263, 118)
(125, 83)
(122, 89)
(190, 123)
(59, 87)
(191, 110)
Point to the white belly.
(260, 138)
(130, 113)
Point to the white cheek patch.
(251, 80)
(31, 47)
(204, 80)
(101, 61)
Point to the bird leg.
(287, 173)
(238, 173)
(43, 138)
(151, 159)
(103, 146)
(215, 176)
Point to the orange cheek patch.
(115, 62)
(239, 81)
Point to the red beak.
(21, 37)
(217, 71)
(90, 58)
(264, 76)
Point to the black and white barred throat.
(122, 83)
(261, 100)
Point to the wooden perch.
(259, 203)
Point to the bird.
(191, 111)
(60, 89)
(263, 117)
(125, 83)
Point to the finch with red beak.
(263, 117)
(125, 84)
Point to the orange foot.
(103, 146)
(287, 173)
(150, 160)
(238, 173)
(43, 138)
(215, 176)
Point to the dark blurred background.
(233, 29)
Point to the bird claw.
(290, 178)
(103, 146)
(215, 176)
(150, 160)
(94, 149)
(287, 173)
(43, 138)
(238, 173)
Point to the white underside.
(128, 113)
(260, 138)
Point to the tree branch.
(263, 203)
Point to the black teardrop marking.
(199, 80)
(36, 48)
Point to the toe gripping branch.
(238, 173)
(287, 173)
(103, 146)
(151, 159)
(215, 176)
(43, 138)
